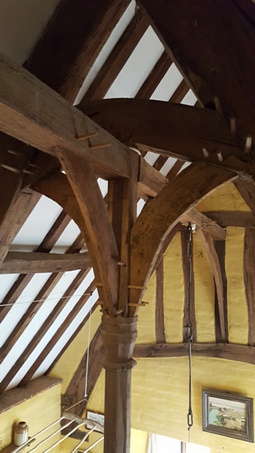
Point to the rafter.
(180, 92)
(72, 41)
(33, 308)
(58, 334)
(116, 60)
(176, 130)
(33, 262)
(155, 76)
(14, 215)
(162, 213)
(46, 245)
(211, 72)
(54, 122)
(43, 329)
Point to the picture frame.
(228, 414)
(96, 417)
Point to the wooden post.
(119, 336)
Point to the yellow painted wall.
(160, 397)
(71, 358)
(38, 412)
(173, 291)
(237, 306)
(226, 198)
(160, 386)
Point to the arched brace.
(162, 214)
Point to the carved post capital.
(119, 336)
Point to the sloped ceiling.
(114, 50)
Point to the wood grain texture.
(171, 129)
(209, 247)
(233, 218)
(249, 280)
(204, 223)
(57, 335)
(247, 190)
(72, 41)
(156, 75)
(229, 351)
(220, 249)
(104, 254)
(34, 262)
(116, 60)
(43, 329)
(150, 181)
(162, 213)
(210, 63)
(13, 215)
(35, 114)
(159, 305)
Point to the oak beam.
(184, 132)
(228, 351)
(104, 253)
(75, 389)
(58, 334)
(38, 116)
(13, 216)
(150, 181)
(204, 223)
(249, 280)
(119, 335)
(33, 308)
(209, 247)
(116, 60)
(122, 207)
(42, 331)
(247, 191)
(211, 72)
(159, 304)
(72, 41)
(156, 75)
(220, 249)
(46, 245)
(233, 218)
(33, 262)
(162, 214)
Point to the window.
(163, 444)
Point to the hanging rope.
(189, 328)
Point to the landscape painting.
(228, 415)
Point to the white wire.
(37, 301)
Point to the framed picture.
(97, 418)
(228, 415)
